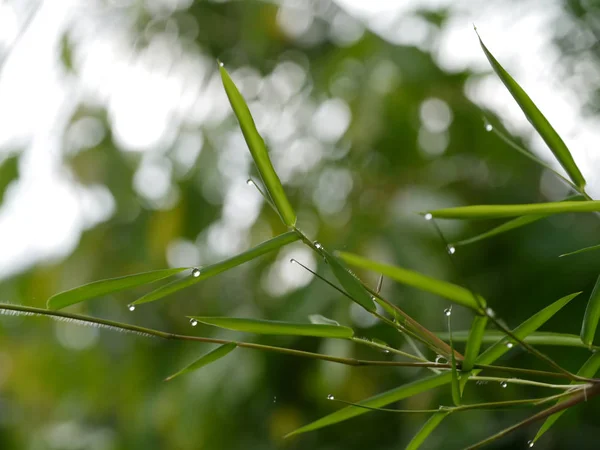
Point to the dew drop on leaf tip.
(193, 322)
(488, 127)
(131, 307)
(530, 444)
(195, 272)
(451, 250)
(330, 397)
(428, 216)
(448, 312)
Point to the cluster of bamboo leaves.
(450, 368)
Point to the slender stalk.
(386, 348)
(576, 399)
(526, 382)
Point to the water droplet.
(318, 245)
(448, 312)
(193, 322)
(503, 384)
(195, 273)
(249, 182)
(330, 397)
(439, 359)
(275, 399)
(451, 250)
(428, 216)
(221, 64)
(488, 127)
(509, 345)
(490, 312)
(530, 444)
(131, 308)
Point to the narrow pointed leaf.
(349, 282)
(538, 120)
(510, 225)
(495, 211)
(318, 319)
(588, 370)
(209, 271)
(474, 341)
(522, 331)
(582, 250)
(537, 338)
(425, 384)
(258, 150)
(109, 286)
(426, 430)
(592, 316)
(276, 327)
(452, 292)
(377, 401)
(204, 360)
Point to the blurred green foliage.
(67, 387)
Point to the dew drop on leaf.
(488, 127)
(509, 345)
(193, 322)
(503, 384)
(448, 312)
(530, 444)
(195, 272)
(330, 397)
(428, 216)
(451, 250)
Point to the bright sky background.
(45, 212)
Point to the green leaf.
(475, 338)
(318, 319)
(537, 338)
(452, 292)
(105, 287)
(582, 250)
(258, 149)
(426, 430)
(209, 271)
(537, 119)
(276, 327)
(204, 360)
(510, 225)
(377, 401)
(522, 331)
(591, 316)
(351, 284)
(588, 370)
(494, 211)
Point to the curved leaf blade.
(273, 327)
(258, 150)
(591, 316)
(588, 370)
(209, 271)
(426, 430)
(350, 282)
(377, 401)
(538, 120)
(474, 341)
(452, 292)
(582, 250)
(108, 286)
(495, 211)
(206, 359)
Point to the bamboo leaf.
(591, 316)
(209, 271)
(204, 360)
(537, 338)
(582, 250)
(495, 211)
(318, 319)
(351, 284)
(258, 149)
(377, 401)
(538, 120)
(426, 430)
(105, 287)
(522, 331)
(452, 292)
(510, 225)
(588, 370)
(277, 328)
(475, 338)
